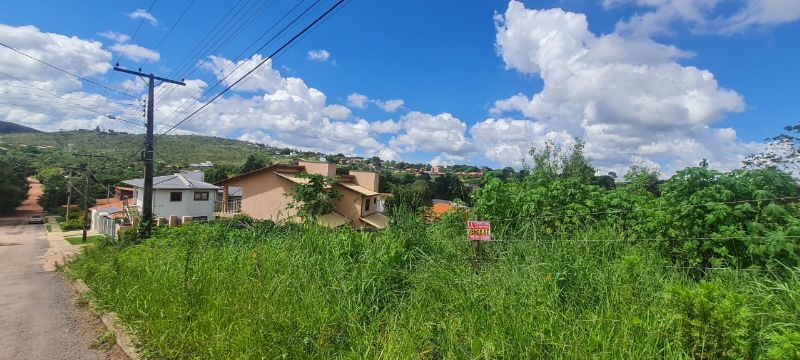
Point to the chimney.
(324, 169)
(366, 179)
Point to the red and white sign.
(479, 231)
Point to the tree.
(13, 186)
(252, 163)
(782, 152)
(314, 198)
(449, 187)
(410, 196)
(220, 172)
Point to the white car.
(36, 219)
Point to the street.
(37, 315)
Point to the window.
(366, 207)
(375, 200)
(200, 218)
(201, 195)
(176, 196)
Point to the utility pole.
(69, 192)
(86, 190)
(146, 223)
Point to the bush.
(713, 323)
(73, 224)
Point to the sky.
(659, 83)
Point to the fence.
(107, 226)
(231, 208)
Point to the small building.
(178, 195)
(266, 195)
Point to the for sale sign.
(479, 231)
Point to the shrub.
(72, 224)
(712, 322)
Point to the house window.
(200, 218)
(176, 196)
(374, 200)
(366, 208)
(201, 195)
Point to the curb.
(125, 340)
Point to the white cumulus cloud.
(621, 93)
(145, 15)
(361, 101)
(135, 52)
(321, 55)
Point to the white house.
(178, 195)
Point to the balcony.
(227, 208)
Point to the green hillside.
(170, 149)
(12, 128)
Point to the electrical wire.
(177, 113)
(289, 42)
(67, 72)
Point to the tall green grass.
(417, 291)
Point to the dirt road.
(37, 317)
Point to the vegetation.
(416, 290)
(13, 184)
(315, 197)
(78, 240)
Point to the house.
(114, 207)
(265, 195)
(178, 195)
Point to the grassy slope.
(170, 149)
(413, 291)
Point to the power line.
(176, 113)
(60, 97)
(67, 72)
(185, 69)
(289, 42)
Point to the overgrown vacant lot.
(416, 291)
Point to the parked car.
(36, 219)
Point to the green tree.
(13, 185)
(253, 162)
(410, 196)
(220, 172)
(314, 198)
(449, 187)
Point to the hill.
(12, 128)
(121, 152)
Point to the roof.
(358, 188)
(377, 220)
(441, 208)
(276, 167)
(175, 181)
(333, 220)
(291, 177)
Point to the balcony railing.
(232, 207)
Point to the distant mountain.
(12, 128)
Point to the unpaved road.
(38, 320)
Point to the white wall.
(188, 206)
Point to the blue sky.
(444, 61)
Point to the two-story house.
(178, 195)
(266, 195)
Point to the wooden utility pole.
(146, 223)
(69, 192)
(87, 173)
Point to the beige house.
(266, 195)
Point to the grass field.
(77, 240)
(416, 291)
